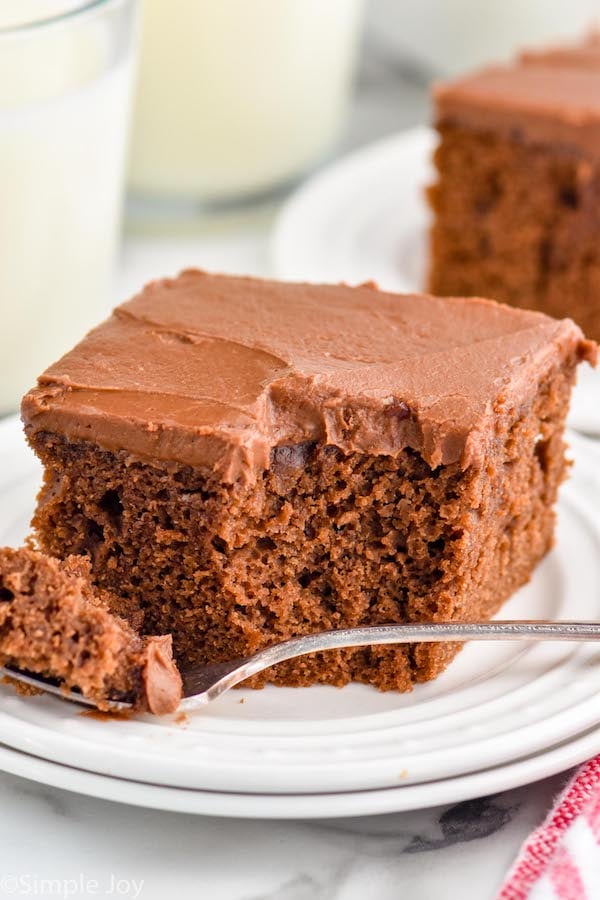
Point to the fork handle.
(206, 684)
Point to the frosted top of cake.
(216, 371)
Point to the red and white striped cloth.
(561, 859)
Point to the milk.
(63, 121)
(236, 96)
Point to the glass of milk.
(237, 97)
(65, 77)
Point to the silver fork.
(203, 684)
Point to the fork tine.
(50, 686)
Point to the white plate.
(304, 806)
(365, 218)
(497, 703)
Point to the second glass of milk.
(237, 97)
(65, 77)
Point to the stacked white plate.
(501, 715)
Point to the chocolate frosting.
(161, 678)
(584, 53)
(541, 100)
(216, 371)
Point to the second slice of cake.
(517, 192)
(247, 461)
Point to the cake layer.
(522, 227)
(216, 371)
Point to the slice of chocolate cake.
(248, 461)
(54, 623)
(517, 199)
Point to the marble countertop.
(59, 844)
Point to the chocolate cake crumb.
(53, 622)
(23, 689)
